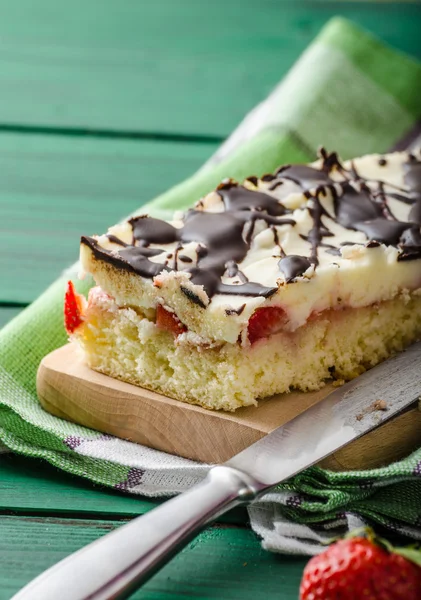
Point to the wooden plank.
(30, 486)
(54, 188)
(7, 313)
(223, 563)
(178, 66)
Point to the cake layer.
(303, 241)
(127, 344)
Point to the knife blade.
(117, 564)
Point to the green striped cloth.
(347, 92)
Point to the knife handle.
(115, 565)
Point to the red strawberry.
(168, 321)
(264, 322)
(73, 309)
(357, 568)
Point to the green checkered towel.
(350, 93)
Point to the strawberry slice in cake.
(282, 282)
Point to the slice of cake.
(287, 281)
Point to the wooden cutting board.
(69, 389)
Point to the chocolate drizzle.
(131, 259)
(192, 296)
(152, 231)
(236, 197)
(304, 176)
(220, 237)
(383, 231)
(353, 207)
(293, 266)
(223, 239)
(115, 240)
(318, 231)
(235, 311)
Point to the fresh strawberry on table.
(363, 567)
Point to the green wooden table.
(103, 105)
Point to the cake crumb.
(378, 405)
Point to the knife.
(115, 565)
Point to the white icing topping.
(356, 276)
